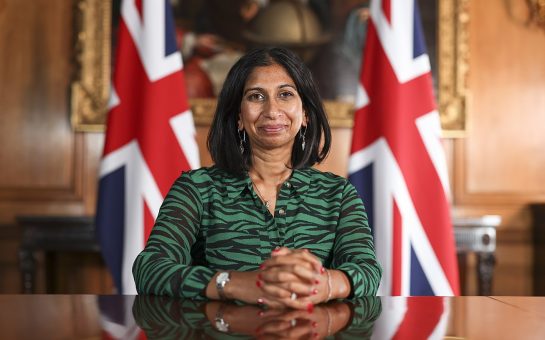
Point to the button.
(288, 184)
(281, 212)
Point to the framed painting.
(328, 35)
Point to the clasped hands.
(275, 323)
(291, 278)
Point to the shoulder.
(207, 178)
(204, 175)
(317, 177)
(325, 183)
(319, 184)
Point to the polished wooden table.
(139, 317)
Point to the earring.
(302, 136)
(242, 138)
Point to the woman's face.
(271, 111)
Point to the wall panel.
(45, 168)
(499, 168)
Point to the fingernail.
(260, 313)
(316, 282)
(262, 266)
(275, 250)
(315, 291)
(310, 307)
(314, 324)
(260, 301)
(306, 250)
(322, 270)
(259, 276)
(259, 284)
(315, 335)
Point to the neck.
(270, 167)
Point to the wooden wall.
(46, 168)
(500, 166)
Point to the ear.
(240, 126)
(305, 119)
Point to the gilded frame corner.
(453, 65)
(91, 85)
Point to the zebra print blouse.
(212, 221)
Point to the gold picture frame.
(90, 88)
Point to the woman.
(261, 226)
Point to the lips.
(272, 128)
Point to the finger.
(272, 303)
(317, 263)
(288, 273)
(286, 290)
(290, 314)
(300, 329)
(274, 326)
(272, 291)
(300, 256)
(303, 304)
(279, 251)
(296, 330)
(288, 260)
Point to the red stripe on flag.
(138, 4)
(421, 318)
(386, 8)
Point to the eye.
(286, 94)
(255, 96)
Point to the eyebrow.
(262, 89)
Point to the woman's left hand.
(295, 278)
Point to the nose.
(272, 109)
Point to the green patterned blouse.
(212, 221)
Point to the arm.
(354, 252)
(164, 267)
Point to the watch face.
(224, 276)
(222, 326)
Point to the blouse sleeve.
(354, 251)
(165, 267)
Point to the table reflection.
(130, 317)
(161, 317)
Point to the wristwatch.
(221, 281)
(221, 324)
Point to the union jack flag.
(397, 162)
(150, 135)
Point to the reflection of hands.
(268, 324)
(293, 278)
(172, 318)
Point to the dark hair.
(223, 138)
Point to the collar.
(236, 185)
(300, 181)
